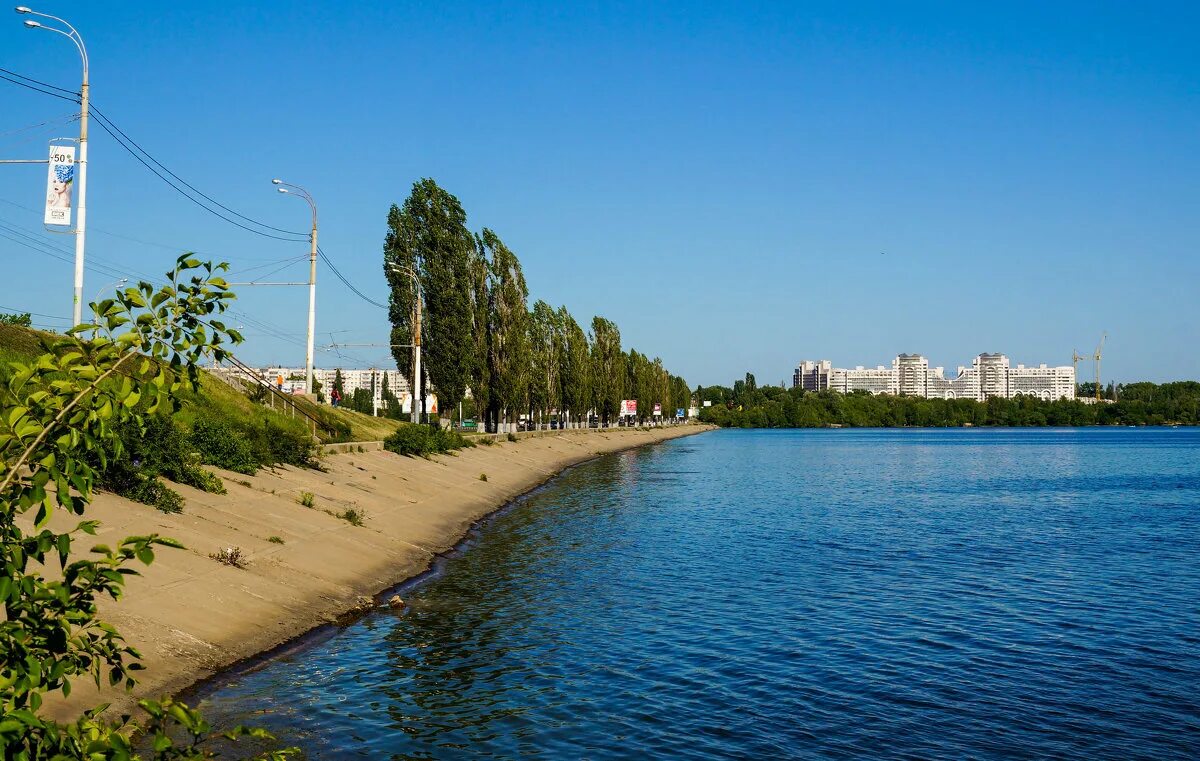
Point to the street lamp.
(289, 189)
(81, 220)
(414, 416)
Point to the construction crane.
(1097, 357)
(1076, 358)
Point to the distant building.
(812, 376)
(290, 380)
(990, 375)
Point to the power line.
(38, 82)
(99, 113)
(34, 314)
(60, 251)
(120, 236)
(347, 283)
(101, 120)
(4, 74)
(68, 118)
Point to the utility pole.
(291, 189)
(417, 396)
(81, 161)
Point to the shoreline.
(194, 693)
(195, 619)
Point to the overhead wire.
(347, 283)
(110, 130)
(60, 120)
(38, 82)
(210, 199)
(4, 74)
(101, 264)
(150, 162)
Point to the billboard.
(629, 408)
(658, 410)
(679, 413)
(60, 184)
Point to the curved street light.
(81, 219)
(295, 190)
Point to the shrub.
(307, 498)
(408, 440)
(275, 540)
(512, 437)
(223, 445)
(352, 516)
(231, 556)
(483, 476)
(420, 440)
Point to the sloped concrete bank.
(192, 616)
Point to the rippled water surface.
(791, 594)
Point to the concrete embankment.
(192, 616)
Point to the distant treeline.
(746, 405)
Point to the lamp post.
(82, 162)
(296, 190)
(414, 416)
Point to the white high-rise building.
(990, 375)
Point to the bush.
(231, 556)
(159, 448)
(483, 476)
(512, 437)
(275, 540)
(420, 440)
(353, 516)
(307, 498)
(222, 445)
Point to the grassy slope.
(214, 396)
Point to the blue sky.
(737, 185)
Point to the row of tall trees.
(478, 331)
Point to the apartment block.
(990, 375)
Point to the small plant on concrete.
(231, 556)
(360, 448)
(512, 437)
(274, 540)
(307, 498)
(483, 476)
(487, 441)
(352, 516)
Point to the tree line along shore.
(478, 331)
(747, 405)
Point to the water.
(791, 594)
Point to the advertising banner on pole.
(658, 410)
(679, 413)
(60, 182)
(629, 408)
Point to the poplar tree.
(545, 390)
(608, 368)
(508, 334)
(429, 235)
(480, 279)
(575, 368)
(338, 383)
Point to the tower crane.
(1097, 357)
(1076, 358)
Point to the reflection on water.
(808, 594)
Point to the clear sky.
(737, 185)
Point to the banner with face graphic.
(60, 183)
